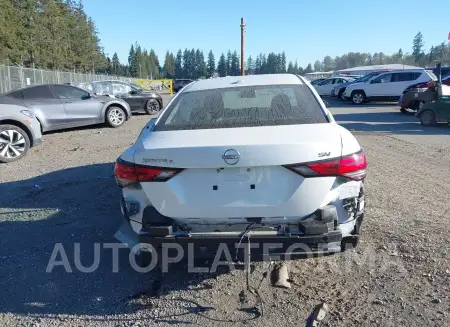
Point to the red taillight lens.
(127, 173)
(352, 167)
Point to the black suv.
(178, 84)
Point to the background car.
(19, 131)
(326, 86)
(387, 86)
(316, 81)
(179, 83)
(59, 106)
(138, 98)
(216, 162)
(338, 90)
(416, 95)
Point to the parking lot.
(64, 192)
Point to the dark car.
(418, 94)
(139, 99)
(178, 84)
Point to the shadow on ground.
(388, 122)
(72, 206)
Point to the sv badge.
(324, 154)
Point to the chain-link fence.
(13, 77)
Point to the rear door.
(379, 86)
(48, 108)
(81, 109)
(401, 80)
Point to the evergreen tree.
(418, 47)
(250, 66)
(179, 65)
(228, 63)
(115, 64)
(290, 69)
(235, 69)
(222, 66)
(211, 67)
(283, 62)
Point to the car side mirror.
(86, 96)
(133, 92)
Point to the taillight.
(352, 167)
(127, 173)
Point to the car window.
(16, 95)
(384, 78)
(120, 88)
(37, 92)
(102, 88)
(69, 92)
(245, 106)
(404, 77)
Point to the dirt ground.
(64, 192)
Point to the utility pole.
(242, 47)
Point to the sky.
(306, 30)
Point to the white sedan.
(231, 157)
(326, 86)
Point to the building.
(316, 75)
(363, 70)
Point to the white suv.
(387, 86)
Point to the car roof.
(248, 80)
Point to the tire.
(340, 96)
(428, 118)
(403, 110)
(358, 97)
(115, 116)
(419, 105)
(152, 106)
(14, 143)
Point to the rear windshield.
(243, 106)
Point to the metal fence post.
(9, 76)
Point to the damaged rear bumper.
(262, 246)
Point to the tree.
(290, 69)
(399, 56)
(211, 66)
(179, 65)
(308, 69)
(296, 71)
(418, 47)
(169, 65)
(283, 62)
(115, 64)
(228, 63)
(250, 66)
(235, 69)
(317, 66)
(222, 66)
(327, 63)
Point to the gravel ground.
(64, 192)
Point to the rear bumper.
(316, 235)
(261, 246)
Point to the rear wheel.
(341, 95)
(428, 118)
(358, 97)
(152, 107)
(115, 116)
(14, 143)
